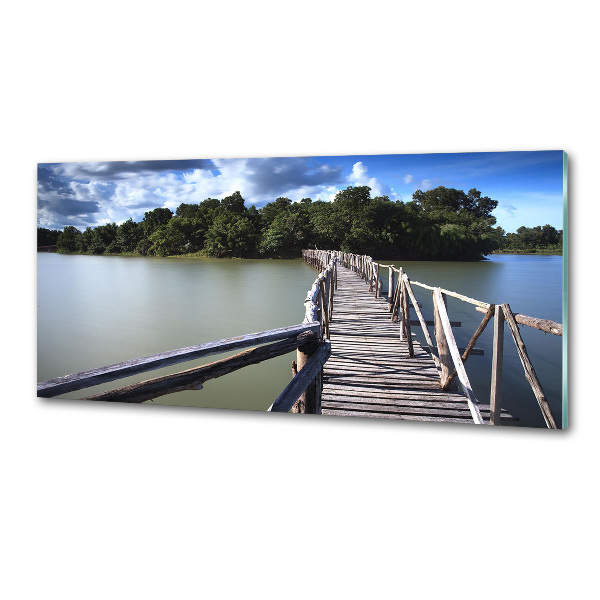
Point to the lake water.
(99, 310)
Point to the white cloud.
(118, 191)
(408, 179)
(425, 185)
(359, 176)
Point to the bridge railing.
(447, 357)
(304, 337)
(318, 307)
(319, 299)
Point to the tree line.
(438, 224)
(529, 240)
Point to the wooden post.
(406, 319)
(442, 345)
(324, 315)
(496, 387)
(377, 281)
(335, 271)
(428, 339)
(396, 298)
(311, 373)
(309, 401)
(390, 288)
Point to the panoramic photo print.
(420, 287)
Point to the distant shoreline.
(199, 255)
(530, 252)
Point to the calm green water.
(98, 310)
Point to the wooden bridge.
(377, 369)
(371, 372)
(356, 353)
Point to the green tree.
(287, 234)
(129, 235)
(231, 235)
(168, 239)
(156, 218)
(47, 237)
(234, 204)
(68, 240)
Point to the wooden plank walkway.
(370, 373)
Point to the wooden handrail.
(192, 379)
(545, 325)
(84, 379)
(319, 299)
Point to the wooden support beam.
(406, 320)
(497, 359)
(396, 305)
(471, 345)
(458, 364)
(530, 373)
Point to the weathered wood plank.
(77, 381)
(458, 364)
(192, 379)
(497, 359)
(470, 349)
(443, 352)
(408, 403)
(452, 412)
(379, 415)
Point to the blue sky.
(527, 185)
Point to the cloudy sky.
(527, 185)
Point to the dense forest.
(439, 224)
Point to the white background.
(154, 502)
